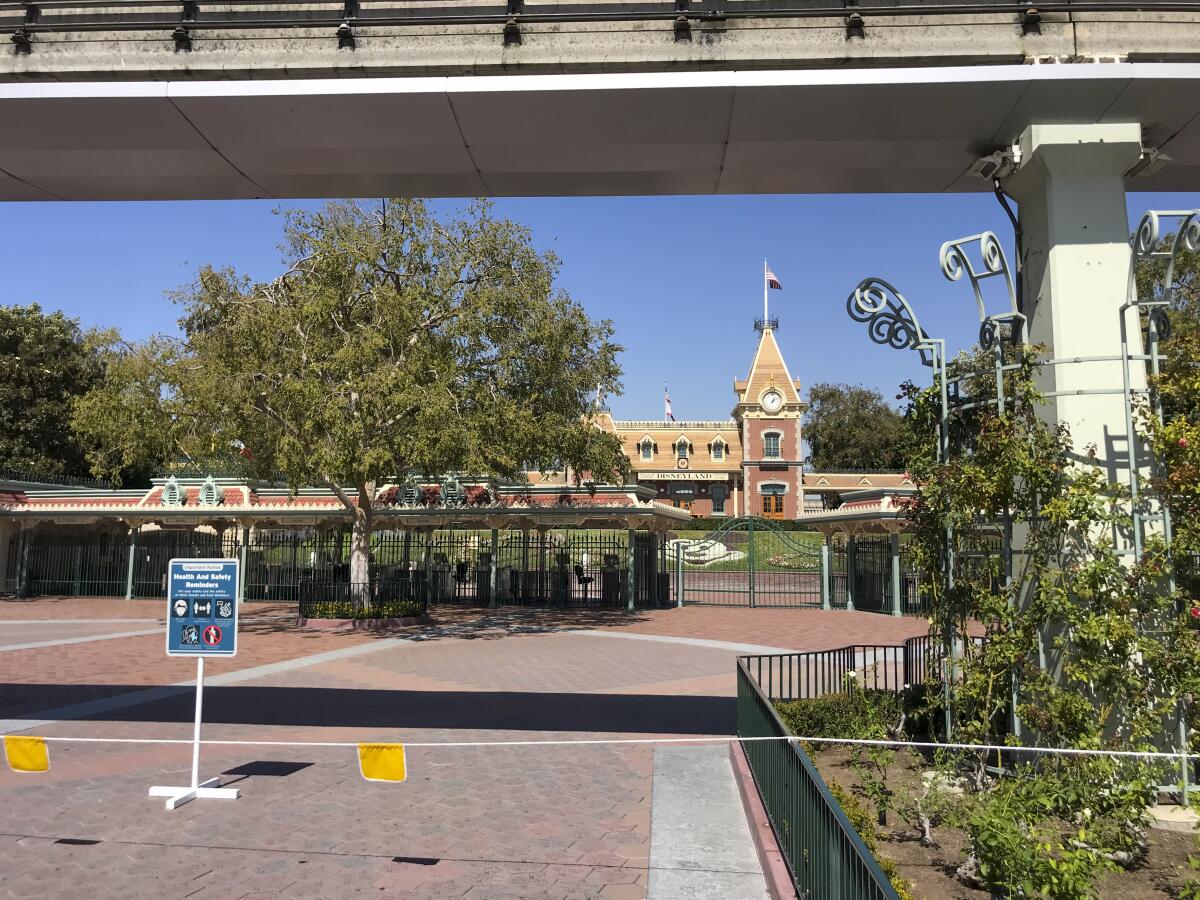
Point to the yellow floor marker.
(26, 754)
(382, 762)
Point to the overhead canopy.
(726, 132)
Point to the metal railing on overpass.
(181, 20)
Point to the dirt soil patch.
(931, 869)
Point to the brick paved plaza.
(475, 822)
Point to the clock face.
(772, 401)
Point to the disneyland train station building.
(455, 536)
(748, 465)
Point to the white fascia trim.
(614, 81)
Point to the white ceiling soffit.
(798, 131)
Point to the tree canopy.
(46, 361)
(849, 427)
(394, 343)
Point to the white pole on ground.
(196, 726)
(207, 790)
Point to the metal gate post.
(243, 556)
(851, 570)
(129, 569)
(430, 594)
(492, 569)
(679, 574)
(895, 573)
(750, 556)
(630, 582)
(826, 575)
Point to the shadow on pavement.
(357, 708)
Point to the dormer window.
(172, 493)
(646, 448)
(682, 447)
(717, 449)
(771, 445)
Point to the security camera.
(995, 165)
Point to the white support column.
(896, 584)
(1070, 186)
(826, 577)
(1071, 189)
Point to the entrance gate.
(748, 562)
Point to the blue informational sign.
(202, 607)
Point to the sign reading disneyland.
(202, 607)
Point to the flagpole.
(766, 318)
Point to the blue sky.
(679, 276)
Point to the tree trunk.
(360, 550)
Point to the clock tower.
(768, 413)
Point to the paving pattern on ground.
(525, 822)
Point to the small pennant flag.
(772, 280)
(670, 416)
(26, 754)
(382, 762)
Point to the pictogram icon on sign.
(212, 635)
(224, 609)
(180, 608)
(202, 608)
(190, 635)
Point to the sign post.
(201, 622)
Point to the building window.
(681, 448)
(771, 445)
(718, 449)
(719, 494)
(647, 447)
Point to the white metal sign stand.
(208, 790)
(202, 618)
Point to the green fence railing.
(827, 858)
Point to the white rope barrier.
(710, 739)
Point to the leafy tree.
(45, 362)
(394, 343)
(852, 427)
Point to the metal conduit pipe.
(91, 21)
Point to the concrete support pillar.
(895, 542)
(129, 569)
(826, 575)
(851, 570)
(1071, 190)
(630, 579)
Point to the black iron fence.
(861, 573)
(563, 567)
(749, 562)
(825, 855)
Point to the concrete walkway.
(700, 843)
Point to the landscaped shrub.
(857, 714)
(347, 609)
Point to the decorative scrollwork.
(889, 318)
(956, 261)
(1145, 236)
(987, 334)
(1161, 322)
(1147, 245)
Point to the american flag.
(242, 449)
(772, 280)
(667, 403)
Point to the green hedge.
(347, 609)
(712, 524)
(854, 715)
